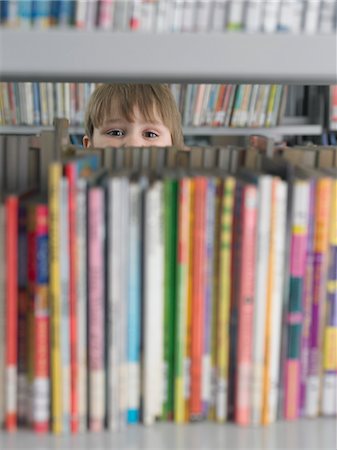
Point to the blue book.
(36, 103)
(41, 13)
(24, 13)
(4, 11)
(66, 12)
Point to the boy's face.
(118, 132)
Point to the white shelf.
(303, 434)
(282, 130)
(72, 55)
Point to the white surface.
(72, 55)
(304, 434)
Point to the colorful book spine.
(82, 302)
(246, 306)
(23, 301)
(183, 262)
(41, 383)
(206, 380)
(261, 276)
(134, 306)
(301, 193)
(170, 221)
(329, 388)
(70, 171)
(65, 307)
(198, 297)
(2, 312)
(223, 301)
(11, 257)
(55, 172)
(321, 235)
(96, 330)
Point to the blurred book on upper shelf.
(162, 16)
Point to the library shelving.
(99, 56)
(302, 434)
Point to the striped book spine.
(223, 303)
(329, 393)
(246, 306)
(301, 192)
(182, 295)
(55, 295)
(96, 308)
(12, 210)
(321, 234)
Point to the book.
(2, 312)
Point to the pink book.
(246, 306)
(96, 308)
(105, 14)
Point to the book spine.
(307, 301)
(82, 302)
(11, 205)
(96, 309)
(41, 13)
(105, 17)
(246, 306)
(41, 386)
(71, 175)
(134, 306)
(198, 298)
(261, 276)
(183, 262)
(295, 310)
(65, 313)
(55, 295)
(329, 402)
(219, 15)
(206, 380)
(253, 16)
(223, 303)
(170, 221)
(323, 196)
(23, 302)
(2, 311)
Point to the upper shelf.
(73, 55)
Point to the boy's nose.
(135, 141)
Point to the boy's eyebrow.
(121, 119)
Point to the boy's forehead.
(136, 115)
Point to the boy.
(132, 115)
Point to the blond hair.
(110, 99)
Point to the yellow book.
(224, 293)
(55, 173)
(271, 102)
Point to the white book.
(271, 15)
(91, 15)
(235, 14)
(298, 10)
(81, 13)
(253, 16)
(67, 100)
(65, 324)
(311, 19)
(82, 302)
(277, 297)
(261, 277)
(287, 16)
(219, 15)
(2, 314)
(252, 105)
(178, 15)
(148, 15)
(203, 15)
(106, 14)
(161, 22)
(188, 16)
(122, 15)
(50, 102)
(203, 115)
(153, 365)
(30, 108)
(327, 16)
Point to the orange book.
(198, 296)
(246, 305)
(11, 258)
(219, 113)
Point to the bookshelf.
(71, 55)
(303, 434)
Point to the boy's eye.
(150, 134)
(116, 133)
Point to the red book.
(71, 174)
(246, 305)
(11, 258)
(198, 295)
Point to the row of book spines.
(132, 15)
(228, 105)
